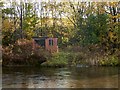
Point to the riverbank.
(63, 59)
(80, 59)
(22, 54)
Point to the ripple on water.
(61, 78)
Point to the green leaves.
(74, 23)
(8, 11)
(109, 61)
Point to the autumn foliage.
(22, 53)
(75, 24)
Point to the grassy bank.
(62, 59)
(80, 59)
(22, 53)
(57, 60)
(83, 56)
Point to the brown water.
(87, 77)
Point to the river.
(70, 77)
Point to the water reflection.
(90, 77)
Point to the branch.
(71, 20)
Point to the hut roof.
(39, 38)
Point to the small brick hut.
(50, 44)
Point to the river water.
(71, 77)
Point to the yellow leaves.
(117, 16)
(64, 39)
(7, 24)
(50, 35)
(102, 11)
(65, 34)
(110, 15)
(113, 4)
(113, 24)
(29, 34)
(110, 34)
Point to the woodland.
(88, 32)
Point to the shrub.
(109, 61)
(22, 52)
(64, 59)
(57, 60)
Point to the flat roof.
(38, 38)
